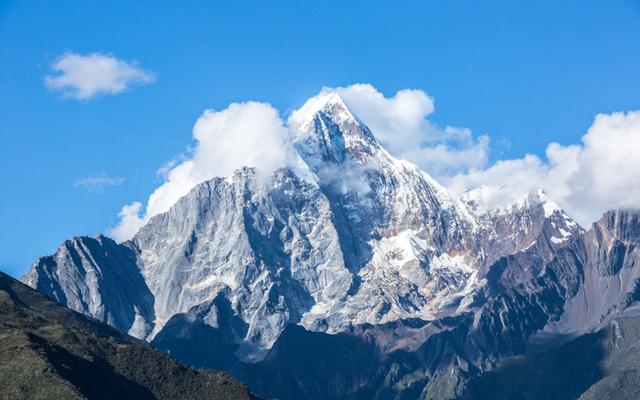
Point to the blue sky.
(526, 75)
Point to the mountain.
(600, 365)
(48, 351)
(589, 284)
(359, 264)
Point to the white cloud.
(399, 122)
(97, 183)
(451, 156)
(608, 172)
(244, 134)
(586, 179)
(130, 222)
(82, 77)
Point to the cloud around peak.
(586, 178)
(254, 134)
(82, 77)
(400, 123)
(247, 134)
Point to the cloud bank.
(82, 77)
(586, 179)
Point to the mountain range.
(350, 274)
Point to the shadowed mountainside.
(600, 365)
(50, 352)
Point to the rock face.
(99, 278)
(352, 243)
(416, 359)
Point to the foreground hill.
(50, 352)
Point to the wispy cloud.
(97, 183)
(82, 77)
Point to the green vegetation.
(50, 352)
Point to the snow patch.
(550, 208)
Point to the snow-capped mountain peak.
(327, 103)
(498, 199)
(326, 131)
